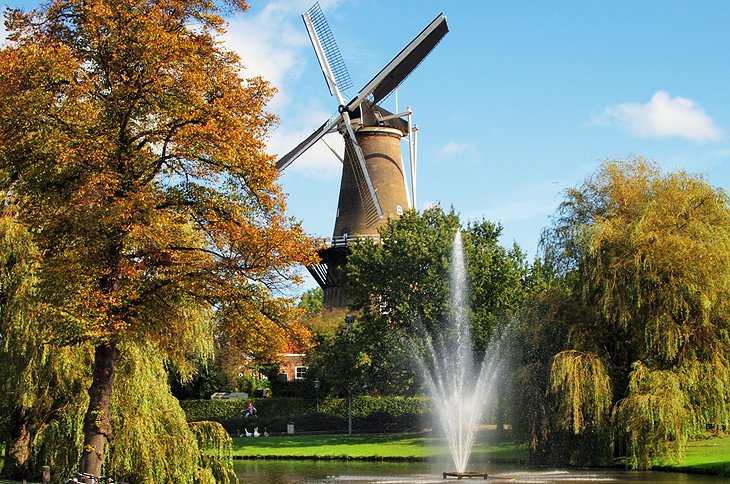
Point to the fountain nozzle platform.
(466, 475)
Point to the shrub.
(223, 409)
(364, 406)
(370, 414)
(309, 422)
(386, 422)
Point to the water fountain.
(461, 393)
(460, 390)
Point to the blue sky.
(520, 100)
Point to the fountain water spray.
(459, 390)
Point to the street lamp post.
(316, 389)
(349, 412)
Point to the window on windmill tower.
(299, 372)
(399, 210)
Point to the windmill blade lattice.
(331, 51)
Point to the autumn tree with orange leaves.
(133, 151)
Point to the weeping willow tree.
(41, 383)
(583, 380)
(144, 412)
(643, 258)
(580, 392)
(657, 414)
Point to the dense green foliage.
(362, 406)
(343, 361)
(41, 383)
(399, 289)
(141, 392)
(630, 344)
(312, 300)
(216, 409)
(216, 452)
(142, 226)
(370, 414)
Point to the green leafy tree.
(40, 382)
(402, 288)
(312, 301)
(498, 279)
(643, 260)
(340, 361)
(404, 279)
(132, 152)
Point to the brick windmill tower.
(374, 185)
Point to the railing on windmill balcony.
(343, 240)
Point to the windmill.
(373, 186)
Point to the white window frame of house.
(296, 372)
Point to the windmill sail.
(403, 64)
(319, 29)
(328, 127)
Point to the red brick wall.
(289, 364)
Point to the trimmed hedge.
(381, 414)
(310, 422)
(222, 409)
(365, 406)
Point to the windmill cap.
(369, 118)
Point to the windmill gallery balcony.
(328, 273)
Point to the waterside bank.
(711, 456)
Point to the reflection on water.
(320, 472)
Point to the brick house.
(292, 367)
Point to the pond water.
(320, 472)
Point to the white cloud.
(270, 44)
(273, 43)
(318, 161)
(3, 34)
(664, 117)
(452, 149)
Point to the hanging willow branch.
(582, 388)
(216, 449)
(654, 417)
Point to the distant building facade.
(292, 367)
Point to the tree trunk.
(18, 451)
(97, 423)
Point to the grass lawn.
(381, 446)
(710, 456)
(706, 456)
